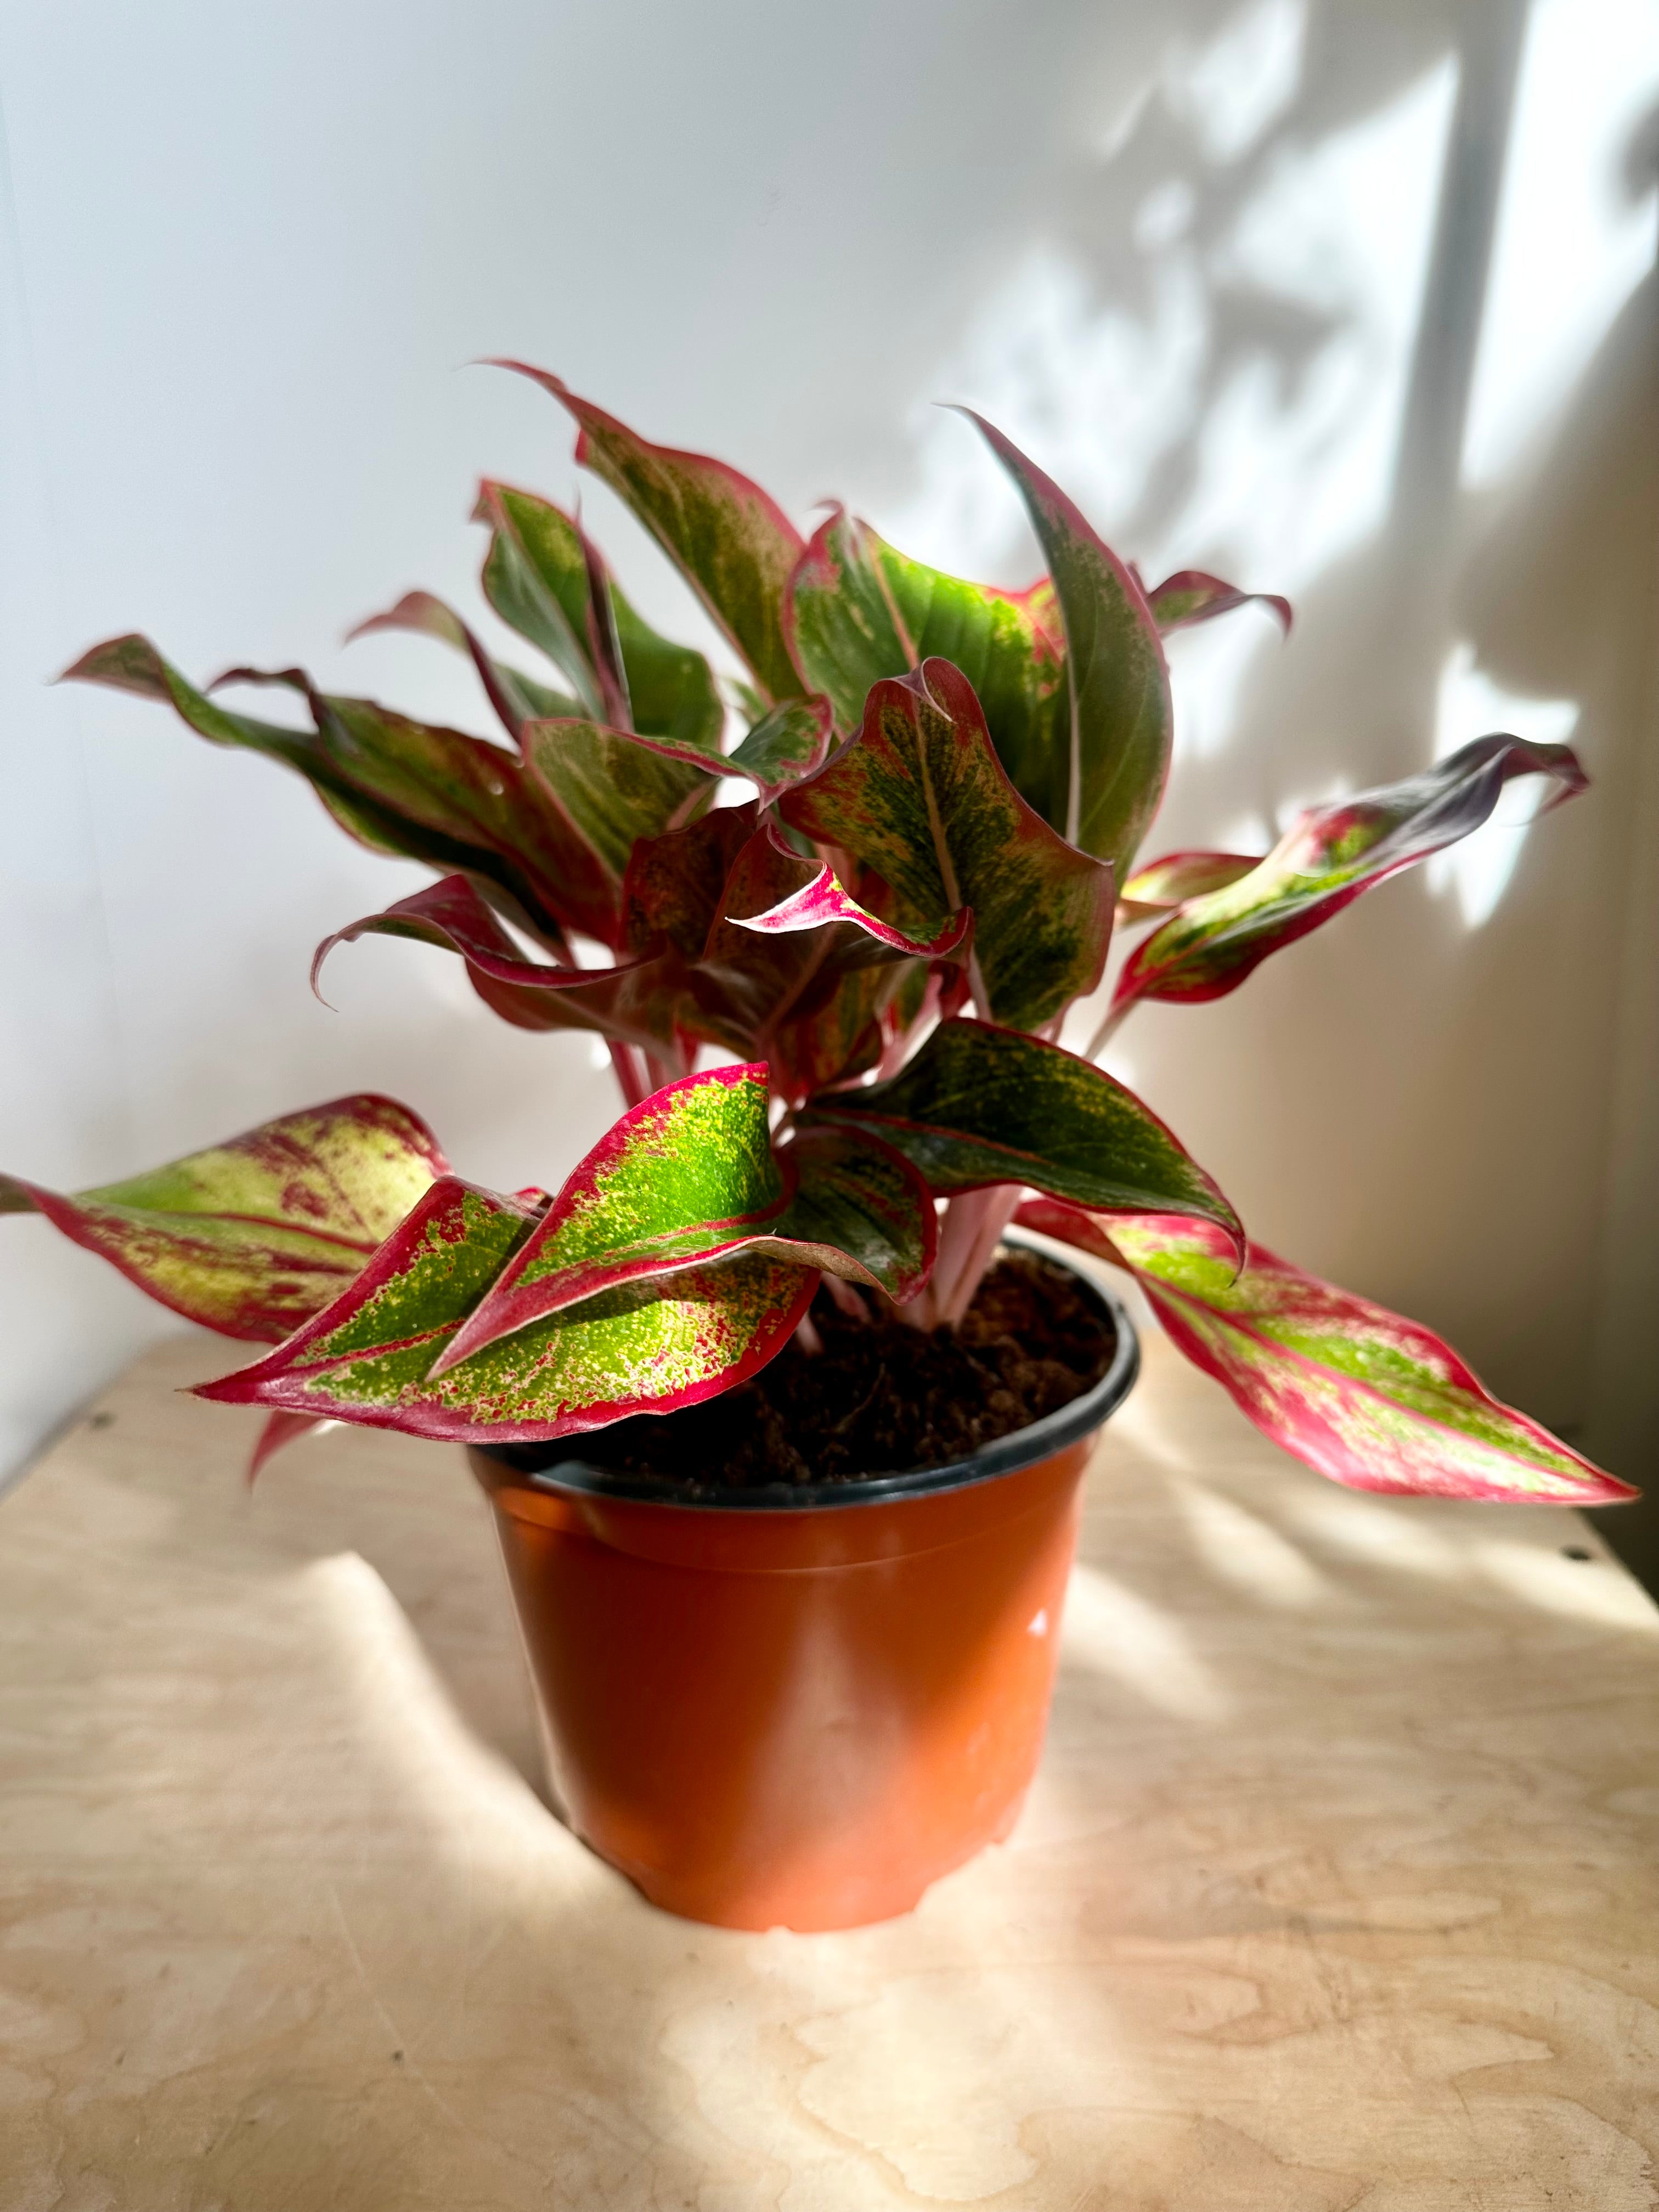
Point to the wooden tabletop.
(1337, 1887)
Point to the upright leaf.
(1190, 596)
(517, 698)
(671, 889)
(843, 627)
(1118, 684)
(538, 577)
(637, 1003)
(979, 1105)
(251, 1235)
(735, 546)
(1361, 1395)
(1328, 857)
(646, 1346)
(920, 797)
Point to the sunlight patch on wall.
(1478, 872)
(1576, 234)
(1243, 411)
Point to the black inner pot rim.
(559, 1465)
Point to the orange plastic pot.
(801, 1706)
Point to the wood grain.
(1336, 1888)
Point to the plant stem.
(626, 1062)
(973, 1226)
(1108, 1030)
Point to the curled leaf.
(920, 797)
(1328, 857)
(1190, 596)
(1162, 885)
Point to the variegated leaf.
(979, 1105)
(517, 698)
(251, 1235)
(637, 1003)
(435, 795)
(801, 985)
(1329, 856)
(843, 627)
(671, 889)
(646, 1346)
(537, 576)
(1361, 1395)
(1190, 596)
(613, 789)
(1162, 885)
(1119, 685)
(920, 797)
(735, 546)
(787, 745)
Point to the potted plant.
(783, 1440)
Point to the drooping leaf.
(787, 745)
(1162, 885)
(251, 1235)
(734, 544)
(538, 577)
(671, 889)
(920, 797)
(517, 698)
(635, 1003)
(613, 789)
(1118, 684)
(860, 1209)
(979, 1105)
(1328, 857)
(433, 795)
(805, 988)
(1190, 596)
(646, 1346)
(1361, 1395)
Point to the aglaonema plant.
(833, 1006)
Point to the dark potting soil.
(882, 1397)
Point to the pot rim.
(1040, 1439)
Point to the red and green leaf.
(637, 1003)
(1190, 596)
(920, 797)
(1162, 885)
(1329, 856)
(538, 576)
(517, 698)
(801, 985)
(251, 1235)
(689, 1177)
(613, 788)
(844, 628)
(430, 794)
(644, 1346)
(787, 746)
(1118, 684)
(979, 1105)
(1361, 1395)
(671, 889)
(734, 544)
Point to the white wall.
(1346, 299)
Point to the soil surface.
(882, 1397)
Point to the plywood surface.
(1337, 1889)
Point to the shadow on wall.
(1357, 304)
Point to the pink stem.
(626, 1062)
(1108, 1030)
(807, 1337)
(974, 1223)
